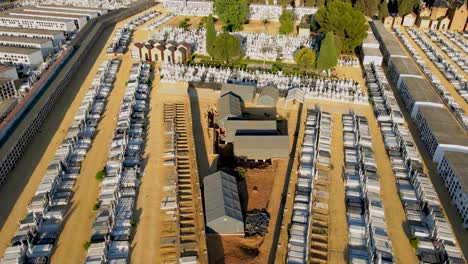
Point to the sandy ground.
(80, 215)
(41, 153)
(439, 75)
(395, 217)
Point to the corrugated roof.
(459, 164)
(53, 19)
(268, 96)
(221, 201)
(228, 106)
(261, 147)
(245, 92)
(234, 127)
(443, 126)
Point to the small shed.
(222, 205)
(409, 20)
(295, 94)
(268, 96)
(229, 107)
(245, 92)
(388, 21)
(434, 24)
(397, 21)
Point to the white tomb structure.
(189, 7)
(259, 46)
(273, 12)
(343, 90)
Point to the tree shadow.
(279, 219)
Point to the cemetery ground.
(254, 26)
(262, 187)
(437, 73)
(430, 168)
(78, 220)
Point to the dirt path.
(145, 244)
(337, 228)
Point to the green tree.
(320, 3)
(210, 35)
(266, 22)
(287, 20)
(327, 58)
(227, 48)
(407, 6)
(367, 7)
(383, 10)
(414, 241)
(348, 25)
(305, 58)
(232, 12)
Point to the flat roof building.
(56, 36)
(79, 20)
(222, 205)
(23, 58)
(65, 25)
(453, 168)
(45, 45)
(88, 14)
(249, 127)
(261, 147)
(417, 92)
(100, 11)
(440, 132)
(400, 68)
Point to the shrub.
(86, 245)
(100, 175)
(241, 172)
(133, 222)
(96, 206)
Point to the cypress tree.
(383, 10)
(327, 58)
(210, 35)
